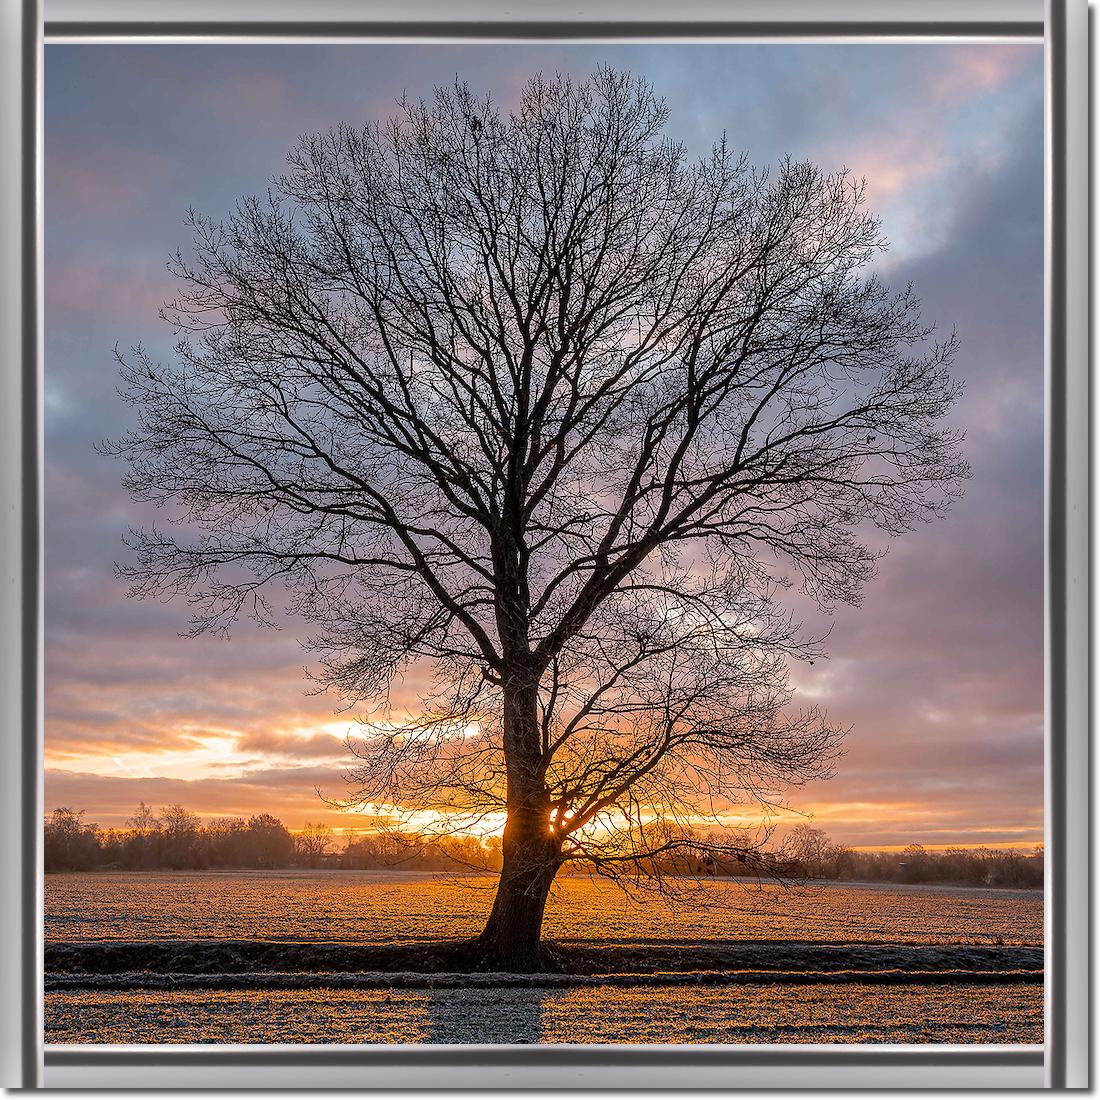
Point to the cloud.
(88, 289)
(104, 179)
(969, 71)
(295, 746)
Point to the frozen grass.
(390, 907)
(851, 1013)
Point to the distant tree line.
(176, 839)
(808, 853)
(412, 852)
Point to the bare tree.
(806, 849)
(313, 843)
(537, 402)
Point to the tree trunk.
(512, 938)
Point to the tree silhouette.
(537, 403)
(313, 843)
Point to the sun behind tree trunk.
(512, 938)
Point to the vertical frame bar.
(20, 543)
(1067, 558)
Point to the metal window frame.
(1063, 1061)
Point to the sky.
(939, 673)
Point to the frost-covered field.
(383, 907)
(851, 1013)
(683, 985)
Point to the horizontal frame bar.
(533, 31)
(548, 1067)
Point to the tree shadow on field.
(486, 1015)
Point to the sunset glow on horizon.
(939, 673)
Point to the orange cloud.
(322, 746)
